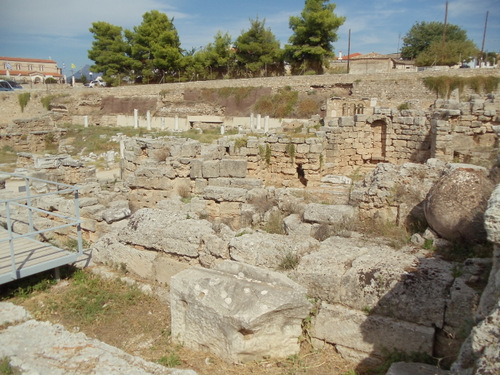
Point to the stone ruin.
(179, 204)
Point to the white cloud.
(70, 18)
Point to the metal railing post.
(11, 242)
(78, 224)
(28, 205)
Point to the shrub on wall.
(443, 86)
(279, 105)
(46, 100)
(23, 98)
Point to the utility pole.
(484, 35)
(444, 33)
(348, 51)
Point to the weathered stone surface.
(196, 170)
(390, 187)
(237, 311)
(147, 264)
(459, 315)
(111, 215)
(455, 205)
(336, 180)
(211, 168)
(87, 201)
(480, 353)
(370, 333)
(268, 250)
(360, 274)
(227, 194)
(164, 231)
(492, 216)
(108, 250)
(328, 214)
(233, 168)
(294, 225)
(404, 368)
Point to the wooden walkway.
(30, 256)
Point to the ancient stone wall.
(452, 131)
(390, 90)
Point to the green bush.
(289, 261)
(46, 100)
(290, 151)
(171, 360)
(23, 98)
(279, 105)
(403, 106)
(240, 142)
(275, 224)
(442, 86)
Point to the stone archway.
(379, 141)
(37, 79)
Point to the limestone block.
(370, 333)
(87, 201)
(69, 162)
(196, 170)
(215, 246)
(480, 352)
(268, 250)
(237, 311)
(253, 142)
(89, 224)
(316, 148)
(108, 250)
(211, 168)
(346, 121)
(93, 212)
(246, 183)
(362, 274)
(228, 194)
(115, 214)
(492, 216)
(336, 180)
(233, 168)
(220, 182)
(302, 148)
(47, 162)
(405, 368)
(165, 231)
(164, 267)
(189, 149)
(294, 225)
(328, 214)
(278, 147)
(199, 185)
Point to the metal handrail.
(61, 189)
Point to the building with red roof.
(29, 70)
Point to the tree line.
(151, 52)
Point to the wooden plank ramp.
(31, 257)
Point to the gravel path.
(44, 348)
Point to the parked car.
(5, 86)
(97, 83)
(15, 85)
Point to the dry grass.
(121, 316)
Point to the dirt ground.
(143, 329)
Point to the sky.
(59, 30)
